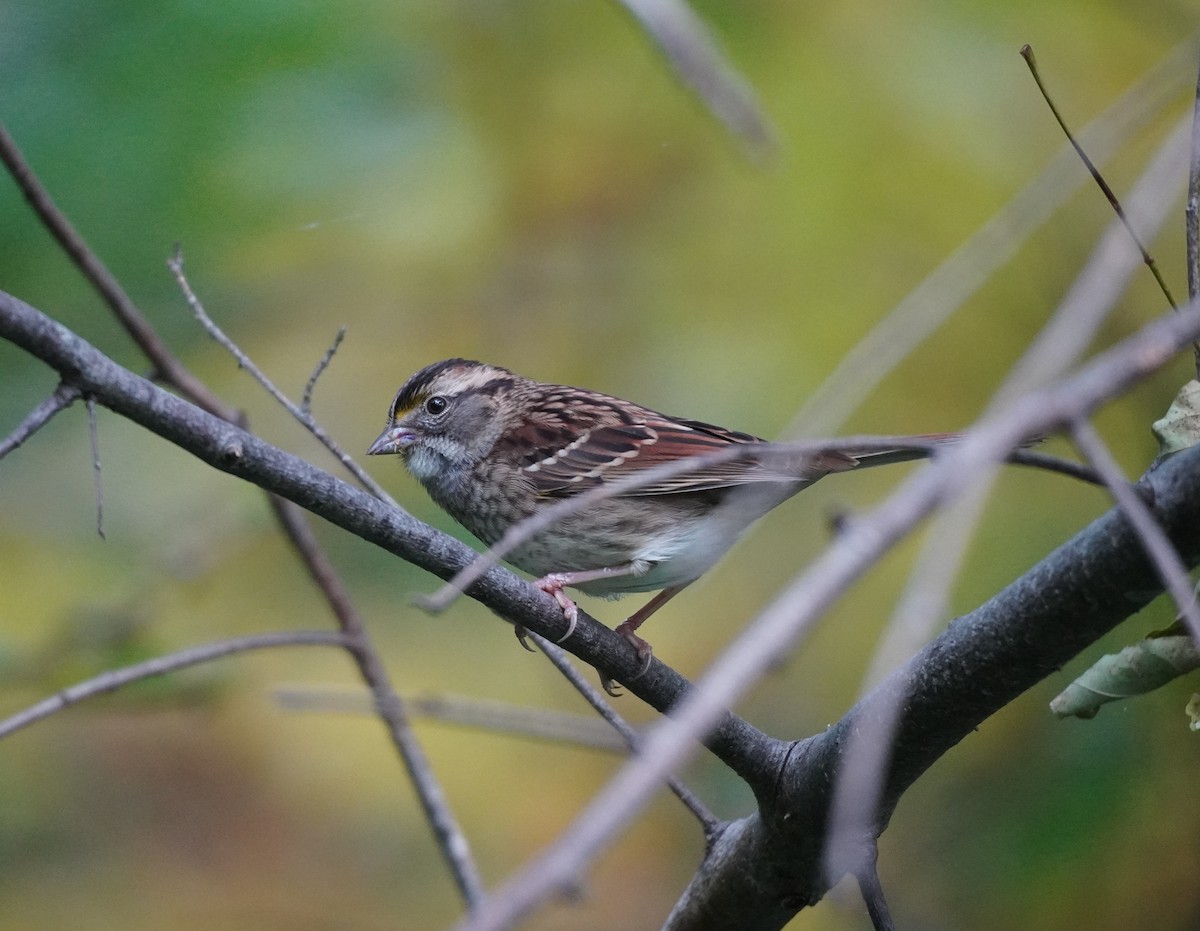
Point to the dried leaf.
(1137, 669)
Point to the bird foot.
(644, 651)
(552, 585)
(522, 636)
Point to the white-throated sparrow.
(493, 448)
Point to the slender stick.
(872, 893)
(63, 397)
(494, 717)
(112, 679)
(97, 473)
(452, 842)
(175, 264)
(1192, 211)
(311, 385)
(167, 366)
(559, 658)
(1166, 559)
(1109, 194)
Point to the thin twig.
(175, 264)
(306, 401)
(1114, 202)
(556, 727)
(692, 51)
(1097, 288)
(1192, 210)
(1048, 463)
(872, 893)
(112, 679)
(948, 288)
(632, 738)
(63, 397)
(1166, 559)
(97, 473)
(452, 842)
(170, 370)
(167, 366)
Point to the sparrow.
(494, 448)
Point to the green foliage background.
(524, 182)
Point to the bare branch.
(1192, 211)
(1109, 194)
(693, 53)
(632, 738)
(977, 666)
(232, 450)
(112, 679)
(454, 845)
(1026, 457)
(97, 474)
(388, 705)
(555, 727)
(1166, 559)
(792, 615)
(1064, 338)
(168, 367)
(872, 893)
(175, 264)
(948, 288)
(63, 397)
(311, 385)
(1099, 285)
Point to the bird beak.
(392, 440)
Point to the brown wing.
(575, 460)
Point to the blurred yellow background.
(526, 183)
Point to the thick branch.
(231, 449)
(768, 866)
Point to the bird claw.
(522, 635)
(644, 651)
(552, 585)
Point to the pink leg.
(628, 629)
(554, 583)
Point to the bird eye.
(436, 405)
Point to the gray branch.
(762, 869)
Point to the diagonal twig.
(1166, 559)
(632, 738)
(555, 727)
(948, 287)
(692, 51)
(388, 704)
(453, 844)
(112, 679)
(311, 385)
(1109, 194)
(63, 397)
(167, 366)
(300, 413)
